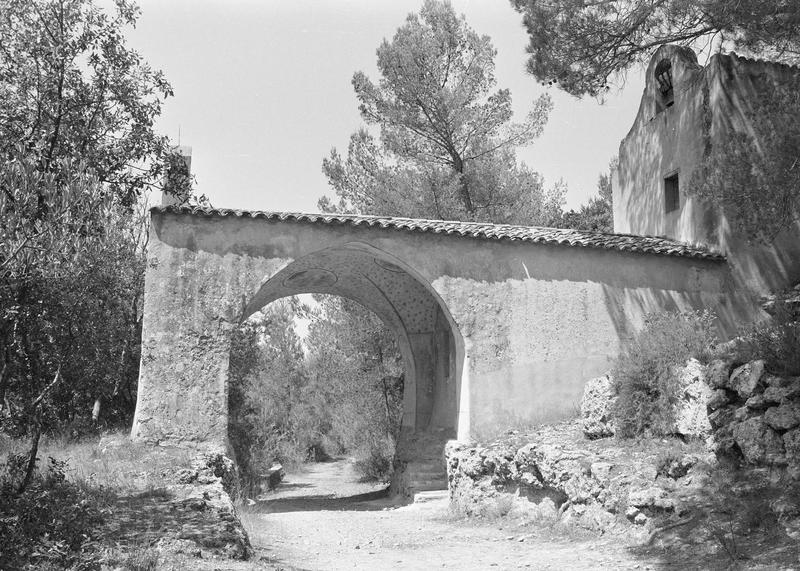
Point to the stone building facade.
(686, 111)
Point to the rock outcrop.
(691, 417)
(203, 492)
(743, 412)
(756, 416)
(597, 407)
(556, 473)
(691, 414)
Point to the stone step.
(425, 468)
(430, 496)
(425, 472)
(428, 485)
(414, 475)
(438, 466)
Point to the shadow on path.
(325, 502)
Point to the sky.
(262, 93)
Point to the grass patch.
(85, 497)
(112, 461)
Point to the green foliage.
(754, 175)
(584, 47)
(343, 394)
(776, 341)
(597, 214)
(270, 418)
(447, 142)
(70, 87)
(668, 460)
(355, 367)
(70, 291)
(53, 524)
(142, 558)
(77, 148)
(644, 373)
(374, 461)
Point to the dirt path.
(323, 518)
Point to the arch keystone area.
(499, 325)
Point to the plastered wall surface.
(710, 103)
(493, 332)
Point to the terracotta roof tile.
(479, 230)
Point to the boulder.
(596, 407)
(745, 379)
(274, 476)
(759, 443)
(774, 394)
(654, 498)
(691, 416)
(775, 381)
(719, 374)
(742, 413)
(757, 402)
(718, 399)
(721, 417)
(782, 388)
(783, 417)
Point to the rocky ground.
(670, 500)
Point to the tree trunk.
(463, 185)
(34, 451)
(3, 381)
(37, 432)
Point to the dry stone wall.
(756, 416)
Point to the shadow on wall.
(628, 307)
(766, 268)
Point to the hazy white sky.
(262, 92)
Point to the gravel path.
(323, 518)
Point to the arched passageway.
(430, 343)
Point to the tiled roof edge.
(479, 230)
(747, 59)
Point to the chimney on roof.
(176, 185)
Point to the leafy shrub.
(777, 342)
(52, 524)
(668, 462)
(644, 373)
(374, 459)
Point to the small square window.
(672, 197)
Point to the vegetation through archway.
(312, 378)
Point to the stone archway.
(540, 310)
(430, 343)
